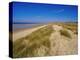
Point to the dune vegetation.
(38, 43)
(25, 46)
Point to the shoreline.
(25, 32)
(22, 29)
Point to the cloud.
(60, 11)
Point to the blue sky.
(30, 12)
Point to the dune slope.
(46, 41)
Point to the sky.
(43, 13)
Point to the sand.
(23, 33)
(63, 45)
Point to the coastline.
(25, 32)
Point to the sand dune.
(63, 45)
(47, 40)
(23, 33)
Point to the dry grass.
(38, 43)
(71, 26)
(65, 32)
(26, 46)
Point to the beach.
(25, 32)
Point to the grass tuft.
(36, 40)
(64, 32)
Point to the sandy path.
(24, 33)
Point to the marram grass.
(38, 42)
(35, 44)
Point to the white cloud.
(60, 11)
